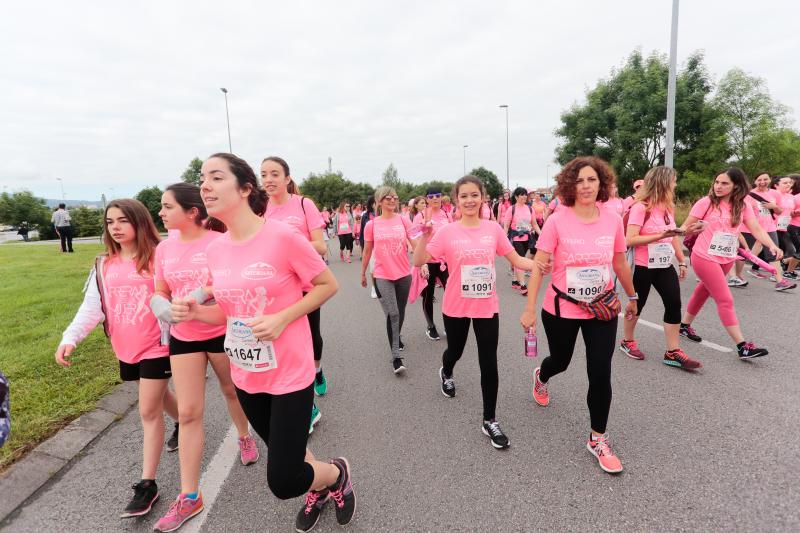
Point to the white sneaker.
(734, 281)
(373, 294)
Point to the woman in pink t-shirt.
(386, 238)
(284, 203)
(181, 271)
(469, 247)
(259, 271)
(783, 189)
(344, 225)
(520, 225)
(117, 293)
(719, 216)
(652, 234)
(794, 228)
(585, 244)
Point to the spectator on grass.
(63, 224)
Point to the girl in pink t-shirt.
(718, 217)
(794, 228)
(520, 225)
(117, 293)
(469, 247)
(181, 271)
(386, 238)
(764, 202)
(783, 189)
(259, 271)
(585, 244)
(344, 225)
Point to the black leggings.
(346, 242)
(282, 421)
(435, 271)
(665, 281)
(600, 338)
(314, 318)
(487, 331)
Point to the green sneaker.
(315, 416)
(320, 384)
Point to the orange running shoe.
(540, 394)
(606, 457)
(681, 360)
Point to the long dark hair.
(741, 188)
(147, 237)
(187, 195)
(247, 180)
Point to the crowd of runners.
(241, 279)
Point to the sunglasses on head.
(435, 195)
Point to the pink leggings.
(713, 283)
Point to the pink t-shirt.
(796, 220)
(501, 210)
(439, 220)
(580, 247)
(615, 205)
(555, 205)
(390, 238)
(538, 211)
(343, 226)
(292, 213)
(464, 248)
(764, 215)
(658, 222)
(183, 266)
(718, 224)
(486, 212)
(522, 220)
(786, 202)
(133, 328)
(261, 276)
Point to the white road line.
(711, 345)
(214, 476)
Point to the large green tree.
(192, 172)
(22, 207)
(151, 198)
(493, 186)
(330, 188)
(87, 222)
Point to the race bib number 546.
(245, 350)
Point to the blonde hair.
(657, 189)
(381, 193)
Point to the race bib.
(723, 244)
(764, 211)
(660, 254)
(477, 281)
(344, 226)
(523, 225)
(585, 283)
(245, 350)
(783, 222)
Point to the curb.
(26, 477)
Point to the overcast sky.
(123, 95)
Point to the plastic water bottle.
(531, 343)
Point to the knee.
(190, 414)
(281, 482)
(151, 413)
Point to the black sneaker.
(397, 364)
(342, 493)
(790, 275)
(145, 494)
(402, 346)
(689, 332)
(432, 333)
(172, 442)
(492, 430)
(308, 516)
(448, 385)
(748, 350)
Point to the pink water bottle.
(531, 343)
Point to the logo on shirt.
(293, 220)
(567, 240)
(135, 276)
(606, 241)
(240, 330)
(259, 270)
(221, 273)
(199, 258)
(488, 239)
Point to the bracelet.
(633, 298)
(682, 265)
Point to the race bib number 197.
(245, 350)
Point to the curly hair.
(567, 179)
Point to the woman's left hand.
(682, 271)
(630, 310)
(268, 327)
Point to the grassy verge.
(40, 293)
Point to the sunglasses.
(390, 198)
(346, 206)
(436, 195)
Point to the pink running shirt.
(615, 205)
(183, 266)
(292, 213)
(133, 328)
(786, 202)
(522, 219)
(575, 243)
(719, 224)
(658, 222)
(261, 276)
(390, 238)
(461, 247)
(439, 219)
(764, 215)
(796, 220)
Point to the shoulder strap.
(758, 197)
(99, 265)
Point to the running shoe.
(172, 443)
(248, 451)
(181, 510)
(540, 394)
(349, 260)
(492, 430)
(432, 333)
(631, 349)
(448, 385)
(681, 360)
(320, 384)
(757, 274)
(523, 289)
(398, 366)
(515, 285)
(734, 281)
(748, 350)
(315, 417)
(145, 494)
(773, 279)
(373, 294)
(689, 332)
(601, 449)
(790, 275)
(785, 285)
(308, 516)
(342, 493)
(402, 346)
(341, 256)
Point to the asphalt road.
(712, 450)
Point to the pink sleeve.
(636, 216)
(503, 245)
(549, 237)
(159, 269)
(797, 202)
(700, 207)
(304, 260)
(313, 216)
(418, 218)
(747, 213)
(406, 225)
(368, 237)
(436, 246)
(619, 237)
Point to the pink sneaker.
(631, 349)
(601, 449)
(181, 510)
(248, 450)
(540, 394)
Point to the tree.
(330, 188)
(22, 207)
(493, 186)
(192, 172)
(86, 222)
(151, 198)
(390, 178)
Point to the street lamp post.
(465, 158)
(673, 52)
(227, 117)
(61, 182)
(505, 106)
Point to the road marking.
(214, 476)
(708, 344)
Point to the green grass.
(40, 293)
